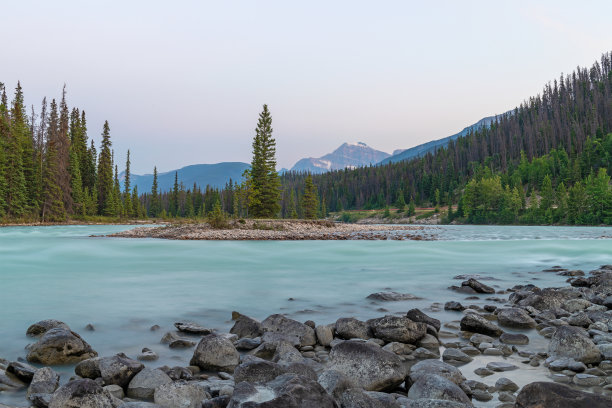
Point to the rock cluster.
(391, 361)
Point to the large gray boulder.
(334, 382)
(118, 369)
(350, 328)
(60, 346)
(573, 342)
(431, 367)
(215, 353)
(325, 334)
(554, 395)
(367, 365)
(144, 383)
(286, 391)
(279, 323)
(356, 398)
(416, 315)
(475, 323)
(257, 371)
(516, 318)
(435, 386)
(82, 393)
(478, 287)
(246, 326)
(23, 371)
(398, 328)
(40, 328)
(45, 381)
(180, 394)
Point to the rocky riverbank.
(560, 339)
(286, 230)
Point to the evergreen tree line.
(570, 117)
(50, 170)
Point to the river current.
(124, 286)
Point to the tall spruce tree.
(63, 153)
(127, 199)
(310, 200)
(155, 203)
(105, 175)
(174, 197)
(20, 130)
(265, 200)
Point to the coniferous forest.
(547, 161)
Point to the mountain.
(423, 149)
(215, 175)
(351, 155)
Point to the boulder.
(516, 318)
(418, 316)
(433, 386)
(246, 326)
(279, 323)
(144, 383)
(23, 371)
(60, 346)
(82, 393)
(350, 328)
(118, 369)
(40, 328)
(573, 342)
(325, 334)
(180, 394)
(399, 328)
(215, 353)
(391, 296)
(475, 323)
(191, 328)
(437, 367)
(514, 338)
(452, 305)
(257, 371)
(334, 382)
(553, 395)
(455, 355)
(286, 391)
(45, 381)
(356, 398)
(478, 287)
(367, 365)
(505, 384)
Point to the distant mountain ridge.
(215, 175)
(348, 155)
(430, 147)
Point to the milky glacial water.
(124, 286)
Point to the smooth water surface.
(124, 286)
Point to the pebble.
(500, 366)
(587, 380)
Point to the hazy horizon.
(184, 85)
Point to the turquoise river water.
(124, 286)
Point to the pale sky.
(183, 82)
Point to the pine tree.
(127, 199)
(78, 197)
(292, 206)
(310, 201)
(174, 197)
(105, 175)
(137, 208)
(400, 203)
(53, 200)
(63, 153)
(155, 204)
(117, 202)
(412, 209)
(265, 202)
(20, 131)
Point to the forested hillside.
(568, 120)
(49, 170)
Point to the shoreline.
(281, 230)
(483, 354)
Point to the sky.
(183, 82)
